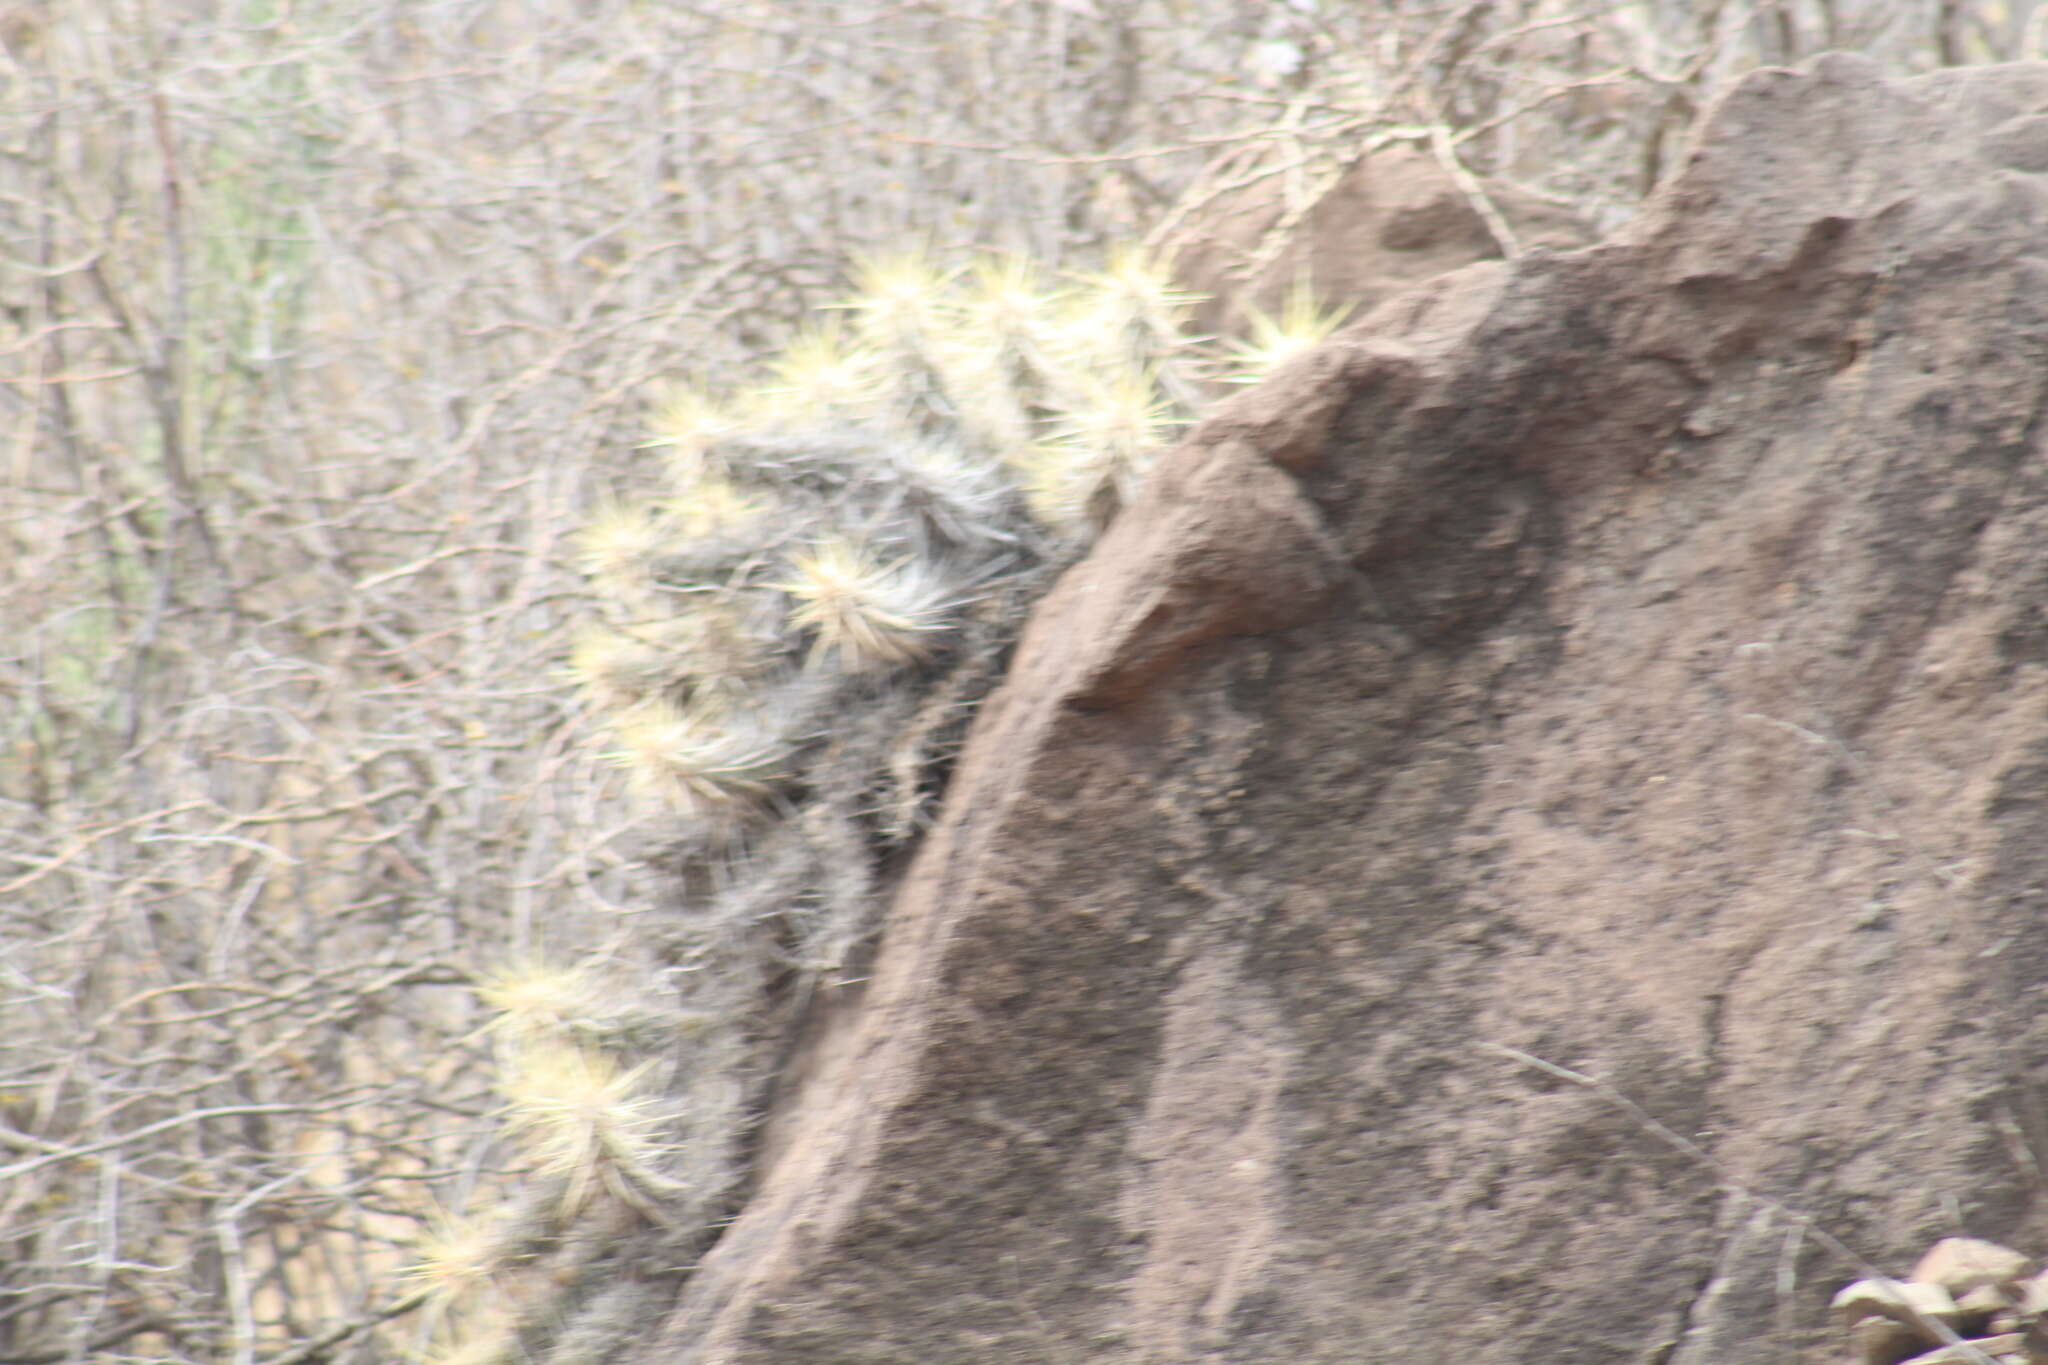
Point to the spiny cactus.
(832, 534)
(789, 637)
(1303, 320)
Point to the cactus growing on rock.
(789, 637)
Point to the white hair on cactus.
(689, 424)
(619, 545)
(456, 1257)
(537, 1000)
(984, 395)
(1066, 486)
(577, 1112)
(823, 374)
(1096, 455)
(711, 506)
(616, 670)
(1123, 416)
(1131, 310)
(714, 648)
(1001, 351)
(1303, 322)
(948, 499)
(904, 310)
(900, 299)
(697, 762)
(869, 614)
(1008, 302)
(496, 1346)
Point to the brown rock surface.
(1389, 221)
(1635, 657)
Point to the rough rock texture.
(1390, 220)
(1636, 658)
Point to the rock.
(2034, 1342)
(1391, 220)
(1894, 1320)
(1638, 663)
(1961, 1264)
(1904, 1301)
(1884, 1341)
(1972, 1352)
(1981, 1306)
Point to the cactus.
(789, 638)
(1304, 320)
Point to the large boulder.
(1528, 843)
